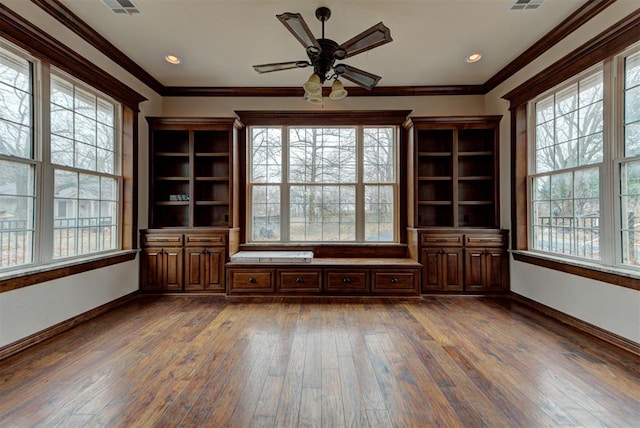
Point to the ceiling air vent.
(526, 4)
(122, 7)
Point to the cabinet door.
(451, 261)
(496, 263)
(442, 269)
(431, 269)
(161, 269)
(151, 278)
(204, 268)
(172, 269)
(474, 270)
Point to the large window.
(59, 178)
(322, 184)
(585, 150)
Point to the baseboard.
(41, 336)
(583, 326)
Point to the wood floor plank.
(198, 361)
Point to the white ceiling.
(219, 40)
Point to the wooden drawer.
(396, 281)
(300, 281)
(165, 240)
(485, 240)
(213, 240)
(250, 280)
(347, 281)
(441, 240)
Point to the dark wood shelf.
(455, 171)
(192, 156)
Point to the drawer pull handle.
(299, 279)
(346, 280)
(252, 280)
(394, 280)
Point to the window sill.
(37, 274)
(337, 249)
(617, 276)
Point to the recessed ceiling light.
(474, 57)
(172, 59)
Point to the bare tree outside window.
(17, 169)
(83, 151)
(566, 180)
(319, 179)
(630, 166)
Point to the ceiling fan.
(323, 53)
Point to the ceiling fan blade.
(276, 66)
(360, 77)
(298, 27)
(375, 36)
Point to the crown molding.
(584, 13)
(297, 91)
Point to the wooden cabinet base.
(324, 276)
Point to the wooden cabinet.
(191, 171)
(469, 260)
(332, 276)
(455, 168)
(442, 269)
(183, 260)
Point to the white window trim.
(285, 187)
(613, 158)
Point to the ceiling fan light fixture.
(313, 86)
(338, 91)
(314, 98)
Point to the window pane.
(632, 106)
(322, 213)
(15, 139)
(630, 212)
(266, 155)
(378, 155)
(265, 221)
(567, 100)
(15, 107)
(85, 104)
(61, 93)
(379, 213)
(17, 197)
(61, 151)
(544, 110)
(329, 155)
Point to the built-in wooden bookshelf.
(191, 171)
(456, 171)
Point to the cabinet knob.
(346, 280)
(299, 279)
(394, 280)
(252, 280)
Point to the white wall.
(28, 310)
(613, 308)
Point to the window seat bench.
(326, 276)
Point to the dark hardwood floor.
(271, 362)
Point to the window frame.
(606, 183)
(336, 118)
(32, 41)
(610, 42)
